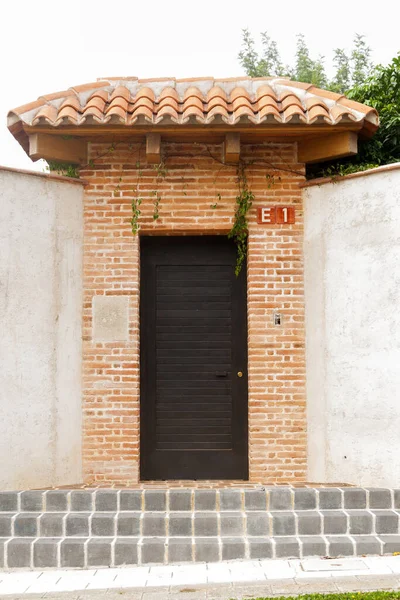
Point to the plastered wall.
(40, 342)
(352, 298)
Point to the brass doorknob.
(240, 374)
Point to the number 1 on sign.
(285, 215)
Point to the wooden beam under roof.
(57, 148)
(335, 145)
(153, 148)
(232, 147)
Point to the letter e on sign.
(285, 214)
(266, 215)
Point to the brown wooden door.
(193, 345)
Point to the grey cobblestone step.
(193, 524)
(272, 499)
(96, 552)
(84, 528)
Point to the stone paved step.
(108, 552)
(191, 524)
(81, 528)
(276, 498)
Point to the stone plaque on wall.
(110, 318)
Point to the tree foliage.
(381, 90)
(350, 69)
(354, 76)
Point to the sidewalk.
(207, 581)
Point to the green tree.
(349, 70)
(271, 61)
(304, 65)
(342, 79)
(361, 62)
(382, 91)
(248, 56)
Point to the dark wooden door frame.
(196, 464)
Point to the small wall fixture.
(277, 319)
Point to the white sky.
(47, 45)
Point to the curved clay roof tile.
(216, 101)
(141, 111)
(317, 112)
(265, 90)
(47, 112)
(363, 108)
(193, 110)
(241, 101)
(145, 92)
(242, 111)
(291, 100)
(216, 92)
(119, 102)
(102, 94)
(167, 111)
(167, 102)
(95, 112)
(312, 101)
(72, 101)
(144, 101)
(193, 91)
(97, 103)
(267, 101)
(292, 111)
(239, 92)
(337, 112)
(218, 110)
(193, 101)
(68, 114)
(117, 111)
(270, 109)
(168, 92)
(120, 92)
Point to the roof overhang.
(59, 126)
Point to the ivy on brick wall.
(244, 198)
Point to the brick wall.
(277, 419)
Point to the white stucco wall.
(40, 342)
(352, 287)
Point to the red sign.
(269, 215)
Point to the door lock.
(240, 374)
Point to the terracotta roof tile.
(292, 110)
(265, 90)
(95, 112)
(141, 111)
(291, 100)
(120, 92)
(72, 101)
(145, 92)
(119, 102)
(318, 112)
(216, 92)
(193, 92)
(232, 101)
(96, 102)
(103, 94)
(68, 113)
(48, 113)
(168, 92)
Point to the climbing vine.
(239, 231)
(244, 199)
